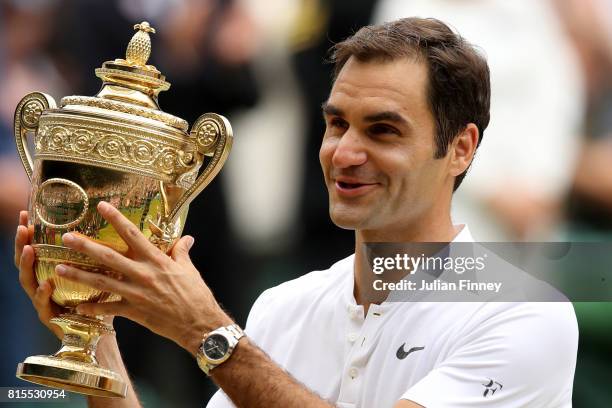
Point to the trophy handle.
(213, 136)
(27, 115)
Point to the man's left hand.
(164, 293)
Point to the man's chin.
(345, 220)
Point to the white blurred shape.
(264, 171)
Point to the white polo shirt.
(437, 354)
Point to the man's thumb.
(180, 252)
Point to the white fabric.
(313, 328)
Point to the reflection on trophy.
(118, 147)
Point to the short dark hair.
(458, 89)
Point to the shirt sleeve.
(256, 319)
(523, 357)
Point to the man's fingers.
(21, 239)
(120, 308)
(180, 250)
(127, 230)
(42, 301)
(104, 255)
(45, 308)
(95, 280)
(27, 279)
(23, 218)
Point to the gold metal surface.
(121, 148)
(139, 48)
(93, 137)
(27, 115)
(47, 199)
(125, 107)
(75, 367)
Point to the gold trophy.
(118, 147)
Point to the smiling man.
(406, 113)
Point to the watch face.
(215, 347)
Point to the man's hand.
(167, 295)
(108, 351)
(164, 293)
(40, 295)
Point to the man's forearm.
(109, 357)
(251, 379)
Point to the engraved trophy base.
(74, 367)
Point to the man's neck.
(443, 231)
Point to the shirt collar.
(464, 235)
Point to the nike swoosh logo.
(402, 354)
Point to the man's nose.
(350, 151)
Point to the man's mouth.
(349, 186)
(353, 188)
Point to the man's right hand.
(40, 295)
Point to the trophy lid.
(130, 85)
(133, 71)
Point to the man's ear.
(462, 150)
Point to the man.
(404, 118)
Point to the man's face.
(378, 149)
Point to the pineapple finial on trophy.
(139, 48)
(123, 76)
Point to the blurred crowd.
(544, 171)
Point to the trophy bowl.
(117, 147)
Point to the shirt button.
(353, 372)
(352, 337)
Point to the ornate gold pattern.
(139, 48)
(125, 107)
(32, 112)
(207, 135)
(92, 142)
(164, 234)
(80, 320)
(62, 254)
(221, 147)
(69, 293)
(27, 116)
(144, 83)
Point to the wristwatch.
(217, 346)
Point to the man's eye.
(382, 129)
(338, 123)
